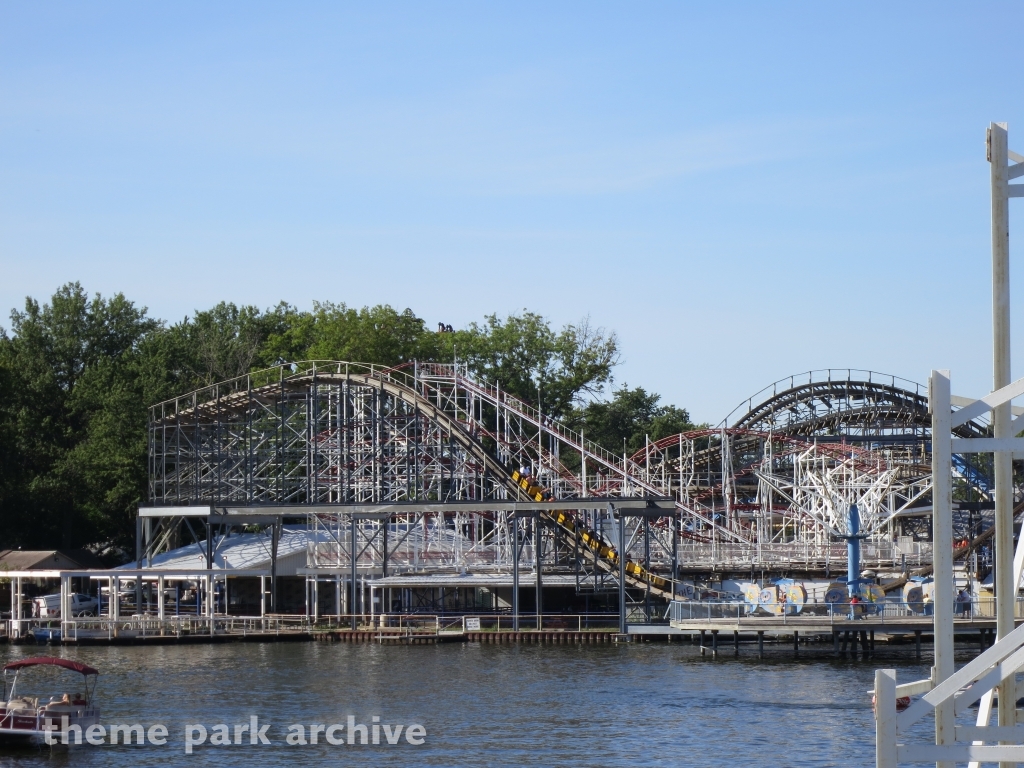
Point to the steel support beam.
(621, 549)
(354, 606)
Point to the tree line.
(78, 373)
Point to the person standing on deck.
(964, 598)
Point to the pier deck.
(828, 625)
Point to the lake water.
(487, 705)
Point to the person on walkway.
(964, 599)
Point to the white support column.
(65, 601)
(885, 718)
(115, 597)
(160, 597)
(998, 156)
(337, 595)
(210, 584)
(985, 705)
(19, 611)
(263, 596)
(583, 454)
(942, 548)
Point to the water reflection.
(642, 705)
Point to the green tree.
(78, 375)
(78, 413)
(532, 361)
(226, 341)
(10, 464)
(379, 334)
(628, 419)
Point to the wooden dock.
(397, 637)
(845, 633)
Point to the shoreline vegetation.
(78, 372)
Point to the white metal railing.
(807, 553)
(549, 623)
(696, 611)
(153, 626)
(105, 627)
(484, 622)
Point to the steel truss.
(761, 494)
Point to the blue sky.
(742, 191)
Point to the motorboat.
(47, 635)
(26, 716)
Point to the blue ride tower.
(853, 537)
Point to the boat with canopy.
(26, 714)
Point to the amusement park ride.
(425, 460)
(425, 469)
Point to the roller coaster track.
(856, 404)
(264, 438)
(586, 542)
(839, 450)
(605, 555)
(631, 472)
(973, 475)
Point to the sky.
(740, 191)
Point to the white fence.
(806, 554)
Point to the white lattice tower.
(824, 484)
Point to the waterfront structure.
(424, 469)
(139, 603)
(948, 692)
